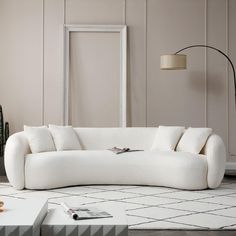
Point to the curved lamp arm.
(177, 61)
(206, 46)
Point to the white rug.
(151, 207)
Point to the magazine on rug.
(84, 213)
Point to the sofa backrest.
(105, 138)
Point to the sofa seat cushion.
(159, 168)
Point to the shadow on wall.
(196, 78)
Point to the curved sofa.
(94, 164)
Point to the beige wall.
(94, 79)
(31, 60)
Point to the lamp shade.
(173, 62)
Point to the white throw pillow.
(64, 138)
(39, 138)
(167, 138)
(194, 139)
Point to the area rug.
(150, 207)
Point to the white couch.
(97, 165)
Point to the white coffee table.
(58, 223)
(22, 217)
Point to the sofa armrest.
(16, 148)
(216, 158)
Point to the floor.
(179, 233)
(154, 210)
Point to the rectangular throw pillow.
(39, 138)
(194, 139)
(64, 138)
(167, 138)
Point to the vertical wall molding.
(64, 11)
(124, 12)
(145, 56)
(42, 72)
(227, 71)
(206, 79)
(63, 62)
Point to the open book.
(83, 213)
(117, 150)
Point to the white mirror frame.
(122, 30)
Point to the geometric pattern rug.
(150, 207)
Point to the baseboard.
(230, 168)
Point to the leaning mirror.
(95, 75)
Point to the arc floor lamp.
(177, 61)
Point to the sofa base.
(156, 168)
